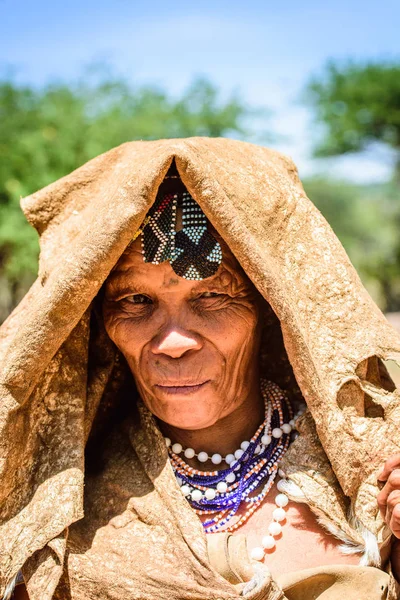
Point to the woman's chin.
(192, 408)
(191, 424)
(192, 417)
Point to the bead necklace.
(220, 493)
(268, 541)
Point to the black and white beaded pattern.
(193, 252)
(197, 253)
(159, 233)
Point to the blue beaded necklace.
(221, 493)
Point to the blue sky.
(266, 50)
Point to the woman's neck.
(226, 435)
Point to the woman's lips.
(181, 389)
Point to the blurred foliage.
(46, 133)
(366, 219)
(358, 104)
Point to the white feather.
(9, 589)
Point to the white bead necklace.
(268, 541)
(219, 493)
(217, 459)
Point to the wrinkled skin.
(192, 347)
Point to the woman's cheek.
(235, 317)
(131, 335)
(120, 329)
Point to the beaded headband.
(193, 252)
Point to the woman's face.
(192, 346)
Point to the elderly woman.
(191, 304)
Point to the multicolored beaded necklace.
(256, 463)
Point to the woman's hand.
(389, 506)
(389, 496)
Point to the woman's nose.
(175, 343)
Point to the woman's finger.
(394, 511)
(392, 463)
(392, 485)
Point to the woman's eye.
(210, 295)
(138, 299)
(210, 301)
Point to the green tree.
(45, 133)
(358, 104)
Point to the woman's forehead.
(132, 267)
(134, 254)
